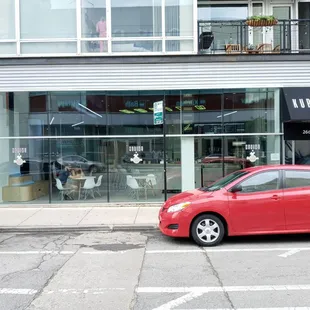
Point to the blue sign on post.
(158, 112)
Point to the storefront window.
(24, 171)
(55, 141)
(54, 19)
(250, 111)
(219, 156)
(23, 114)
(131, 113)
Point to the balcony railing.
(236, 37)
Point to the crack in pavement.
(2, 241)
(54, 273)
(216, 274)
(135, 294)
(44, 258)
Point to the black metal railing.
(233, 37)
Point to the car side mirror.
(236, 188)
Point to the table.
(80, 179)
(143, 178)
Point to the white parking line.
(208, 250)
(215, 289)
(289, 253)
(17, 291)
(60, 252)
(194, 292)
(36, 252)
(179, 301)
(279, 308)
(94, 291)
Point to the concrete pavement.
(82, 218)
(148, 271)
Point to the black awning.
(297, 104)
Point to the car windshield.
(224, 181)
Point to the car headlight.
(178, 207)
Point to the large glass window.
(94, 26)
(7, 19)
(104, 137)
(250, 111)
(179, 23)
(132, 19)
(7, 26)
(131, 113)
(52, 19)
(221, 155)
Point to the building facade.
(80, 79)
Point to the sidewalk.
(77, 219)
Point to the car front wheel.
(207, 230)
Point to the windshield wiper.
(204, 189)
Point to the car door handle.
(275, 197)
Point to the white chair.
(151, 182)
(63, 190)
(98, 184)
(88, 187)
(134, 188)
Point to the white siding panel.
(154, 76)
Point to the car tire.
(207, 230)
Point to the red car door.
(258, 206)
(296, 199)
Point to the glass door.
(303, 26)
(209, 159)
(282, 31)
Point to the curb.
(62, 229)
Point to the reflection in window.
(94, 25)
(261, 182)
(179, 20)
(249, 112)
(136, 18)
(295, 178)
(7, 20)
(48, 19)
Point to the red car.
(252, 201)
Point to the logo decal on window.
(252, 158)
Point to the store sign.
(252, 147)
(138, 148)
(296, 131)
(297, 105)
(19, 150)
(158, 112)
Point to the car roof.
(280, 167)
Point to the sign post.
(159, 117)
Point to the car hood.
(185, 196)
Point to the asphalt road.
(141, 271)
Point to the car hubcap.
(208, 231)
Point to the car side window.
(261, 182)
(295, 178)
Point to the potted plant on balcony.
(261, 21)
